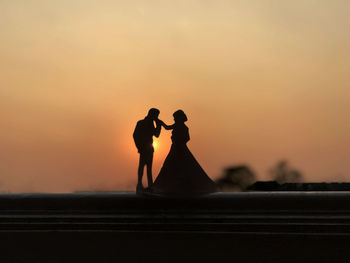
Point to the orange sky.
(260, 80)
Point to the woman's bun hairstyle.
(180, 115)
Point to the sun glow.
(155, 145)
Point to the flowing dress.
(181, 174)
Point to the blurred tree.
(236, 178)
(283, 173)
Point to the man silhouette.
(143, 137)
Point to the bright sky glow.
(259, 80)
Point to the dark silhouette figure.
(181, 174)
(143, 137)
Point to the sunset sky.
(260, 81)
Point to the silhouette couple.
(181, 174)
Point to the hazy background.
(260, 80)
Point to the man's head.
(153, 113)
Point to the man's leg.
(140, 169)
(149, 169)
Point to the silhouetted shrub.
(283, 173)
(236, 178)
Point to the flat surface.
(119, 203)
(323, 213)
(129, 200)
(123, 227)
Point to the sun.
(155, 145)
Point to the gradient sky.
(260, 81)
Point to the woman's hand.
(167, 127)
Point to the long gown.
(181, 174)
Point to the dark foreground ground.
(122, 227)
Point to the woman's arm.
(167, 127)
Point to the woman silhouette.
(181, 174)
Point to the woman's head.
(179, 116)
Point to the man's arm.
(157, 129)
(136, 136)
